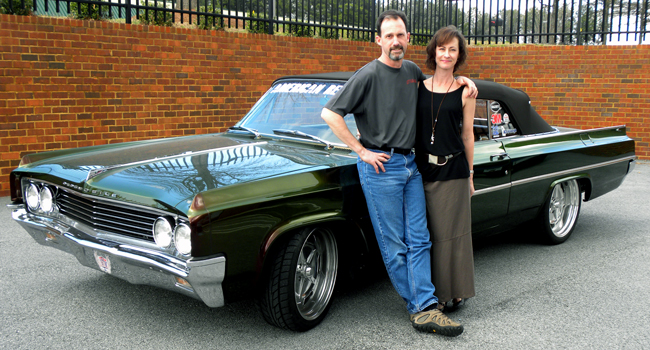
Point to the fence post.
(644, 23)
(373, 20)
(580, 22)
(127, 14)
(449, 21)
(271, 18)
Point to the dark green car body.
(246, 193)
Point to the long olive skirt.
(450, 224)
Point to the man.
(383, 96)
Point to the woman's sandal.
(456, 304)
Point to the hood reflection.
(186, 176)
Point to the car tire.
(559, 215)
(298, 291)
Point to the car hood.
(170, 172)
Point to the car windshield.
(295, 106)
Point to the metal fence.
(560, 22)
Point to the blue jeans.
(398, 213)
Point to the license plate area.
(103, 261)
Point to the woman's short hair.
(443, 36)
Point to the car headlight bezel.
(46, 199)
(163, 232)
(183, 238)
(32, 197)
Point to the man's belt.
(389, 149)
(394, 150)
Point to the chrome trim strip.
(557, 131)
(492, 189)
(570, 171)
(556, 174)
(590, 130)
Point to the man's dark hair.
(391, 14)
(443, 36)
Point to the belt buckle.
(436, 160)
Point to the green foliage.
(253, 26)
(89, 11)
(420, 40)
(300, 31)
(14, 7)
(208, 22)
(358, 36)
(329, 33)
(154, 17)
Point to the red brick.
(148, 82)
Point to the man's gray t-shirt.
(383, 100)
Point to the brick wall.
(69, 83)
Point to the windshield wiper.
(300, 134)
(252, 131)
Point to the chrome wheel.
(562, 210)
(298, 290)
(315, 273)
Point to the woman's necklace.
(434, 122)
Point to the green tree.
(155, 17)
(82, 10)
(207, 18)
(16, 7)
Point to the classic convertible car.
(273, 206)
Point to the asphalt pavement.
(592, 292)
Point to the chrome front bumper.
(200, 279)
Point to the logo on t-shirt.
(411, 81)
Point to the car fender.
(352, 230)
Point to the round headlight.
(32, 197)
(47, 199)
(183, 239)
(162, 232)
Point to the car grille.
(106, 216)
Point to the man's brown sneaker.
(437, 322)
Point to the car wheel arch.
(339, 226)
(303, 262)
(559, 213)
(584, 183)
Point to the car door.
(492, 171)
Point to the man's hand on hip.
(375, 159)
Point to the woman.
(444, 154)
